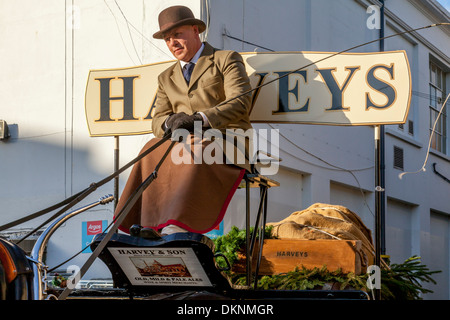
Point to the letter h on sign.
(105, 98)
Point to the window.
(437, 97)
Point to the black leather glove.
(197, 117)
(183, 121)
(176, 120)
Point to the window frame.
(437, 92)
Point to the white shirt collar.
(195, 57)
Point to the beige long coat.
(217, 76)
(194, 197)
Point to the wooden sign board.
(329, 89)
(162, 266)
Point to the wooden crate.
(282, 255)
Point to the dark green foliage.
(399, 281)
(404, 281)
(234, 242)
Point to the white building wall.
(50, 156)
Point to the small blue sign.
(216, 232)
(89, 229)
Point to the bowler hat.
(176, 16)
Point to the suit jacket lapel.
(177, 76)
(204, 62)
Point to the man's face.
(183, 42)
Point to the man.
(216, 76)
(189, 196)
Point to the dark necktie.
(189, 67)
